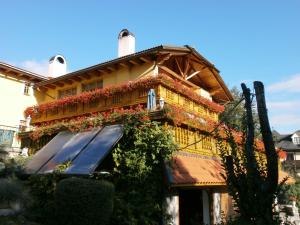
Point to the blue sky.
(246, 40)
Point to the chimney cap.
(125, 33)
(60, 58)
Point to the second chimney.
(126, 41)
(57, 66)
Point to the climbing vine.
(140, 173)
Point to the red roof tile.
(195, 170)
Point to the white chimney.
(126, 43)
(57, 66)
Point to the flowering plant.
(144, 83)
(87, 122)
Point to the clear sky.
(246, 40)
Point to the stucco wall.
(117, 77)
(13, 103)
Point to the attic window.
(60, 59)
(67, 92)
(296, 140)
(92, 86)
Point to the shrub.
(10, 190)
(39, 206)
(83, 201)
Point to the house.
(290, 143)
(177, 78)
(15, 86)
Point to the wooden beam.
(68, 81)
(162, 58)
(193, 74)
(111, 68)
(59, 84)
(187, 66)
(76, 79)
(145, 59)
(93, 73)
(174, 74)
(177, 63)
(20, 75)
(43, 89)
(101, 71)
(125, 65)
(51, 86)
(85, 76)
(134, 62)
(214, 91)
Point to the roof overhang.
(156, 55)
(19, 73)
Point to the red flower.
(145, 83)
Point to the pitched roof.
(285, 142)
(14, 71)
(151, 52)
(287, 145)
(297, 132)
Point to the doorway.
(190, 207)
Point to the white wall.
(172, 209)
(217, 207)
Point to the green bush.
(39, 205)
(83, 201)
(12, 166)
(10, 190)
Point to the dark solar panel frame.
(89, 158)
(70, 150)
(47, 152)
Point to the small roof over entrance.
(84, 151)
(196, 170)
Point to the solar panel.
(90, 157)
(70, 150)
(48, 151)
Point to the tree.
(252, 183)
(234, 113)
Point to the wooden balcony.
(194, 141)
(130, 98)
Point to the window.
(26, 90)
(67, 92)
(6, 137)
(289, 157)
(296, 140)
(92, 86)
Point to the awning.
(84, 151)
(195, 170)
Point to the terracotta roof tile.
(195, 170)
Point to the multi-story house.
(289, 143)
(164, 77)
(16, 94)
